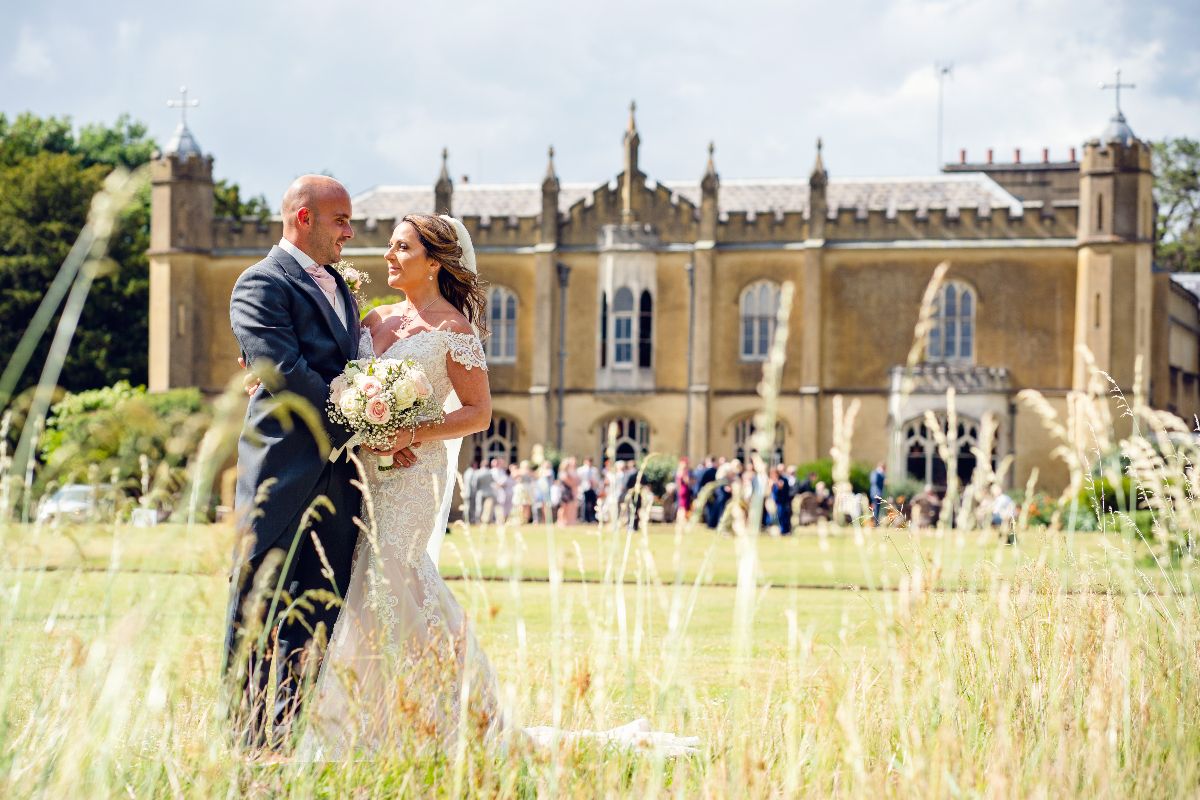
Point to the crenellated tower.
(181, 242)
(1114, 282)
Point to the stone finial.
(708, 184)
(443, 190)
(628, 213)
(819, 177)
(550, 182)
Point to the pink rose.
(422, 385)
(377, 411)
(370, 386)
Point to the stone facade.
(650, 304)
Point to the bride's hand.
(402, 448)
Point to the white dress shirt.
(306, 262)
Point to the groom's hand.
(251, 382)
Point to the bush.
(125, 435)
(860, 474)
(658, 469)
(373, 303)
(1105, 496)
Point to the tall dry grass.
(1011, 687)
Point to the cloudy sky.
(370, 91)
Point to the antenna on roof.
(943, 70)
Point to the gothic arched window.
(604, 329)
(502, 320)
(629, 438)
(645, 329)
(623, 328)
(759, 306)
(745, 429)
(498, 441)
(952, 336)
(923, 460)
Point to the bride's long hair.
(459, 285)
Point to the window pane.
(747, 336)
(951, 339)
(949, 308)
(623, 300)
(965, 303)
(935, 341)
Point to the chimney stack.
(1072, 155)
(989, 160)
(1017, 156)
(962, 156)
(1045, 155)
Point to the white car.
(73, 502)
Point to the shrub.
(860, 474)
(1105, 496)
(658, 469)
(123, 434)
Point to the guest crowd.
(712, 493)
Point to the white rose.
(348, 403)
(405, 393)
(336, 389)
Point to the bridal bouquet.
(376, 397)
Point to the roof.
(1189, 281)
(761, 196)
(1118, 130)
(469, 199)
(183, 143)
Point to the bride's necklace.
(407, 318)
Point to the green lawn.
(70, 585)
(869, 642)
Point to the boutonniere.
(354, 279)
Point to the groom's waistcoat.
(281, 317)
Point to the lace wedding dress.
(403, 663)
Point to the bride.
(403, 662)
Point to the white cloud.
(31, 56)
(373, 91)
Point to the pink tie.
(326, 281)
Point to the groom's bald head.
(316, 217)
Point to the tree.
(48, 175)
(1177, 194)
(47, 179)
(229, 203)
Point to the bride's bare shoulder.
(456, 323)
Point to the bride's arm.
(474, 392)
(470, 382)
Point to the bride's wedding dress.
(403, 661)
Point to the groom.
(296, 320)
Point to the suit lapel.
(310, 289)
(351, 305)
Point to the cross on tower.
(1117, 86)
(183, 104)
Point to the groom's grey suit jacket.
(280, 315)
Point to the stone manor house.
(649, 306)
